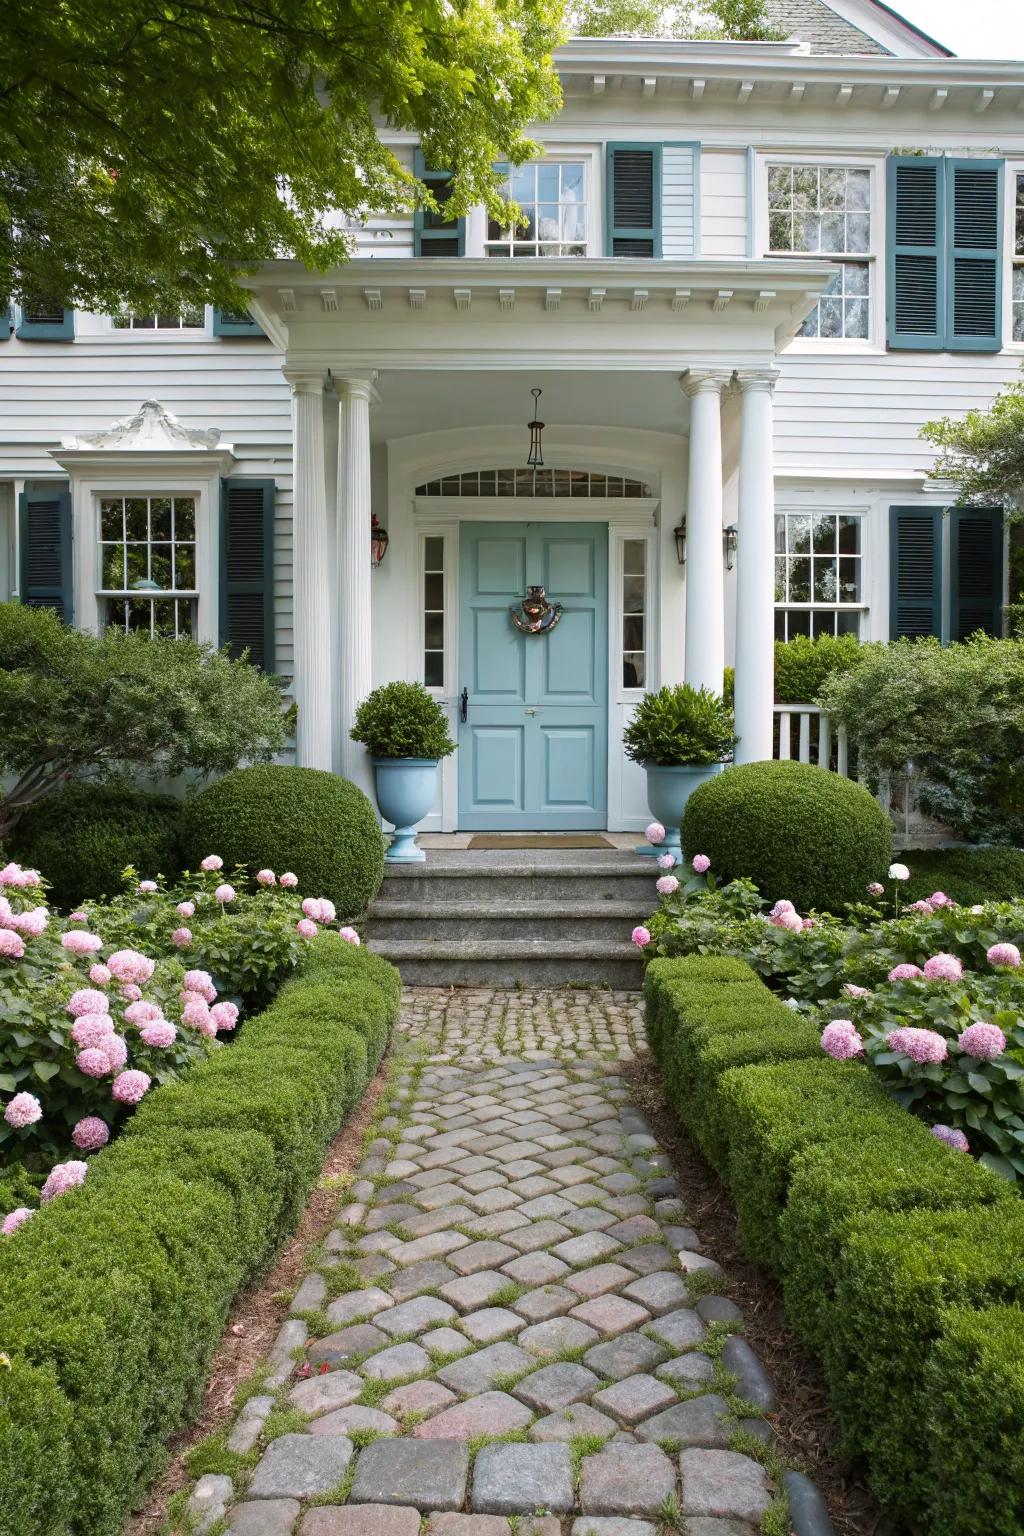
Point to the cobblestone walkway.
(512, 1325)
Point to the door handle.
(464, 705)
(530, 711)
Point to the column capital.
(703, 381)
(754, 379)
(305, 381)
(352, 387)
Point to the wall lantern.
(535, 458)
(679, 534)
(729, 546)
(379, 542)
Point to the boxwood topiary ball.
(797, 831)
(314, 823)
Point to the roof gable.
(848, 27)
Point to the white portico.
(410, 388)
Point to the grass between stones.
(581, 1446)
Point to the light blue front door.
(533, 749)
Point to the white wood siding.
(678, 201)
(723, 202)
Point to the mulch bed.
(803, 1423)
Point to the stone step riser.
(449, 969)
(497, 885)
(448, 927)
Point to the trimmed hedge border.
(902, 1263)
(113, 1299)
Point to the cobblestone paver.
(512, 1319)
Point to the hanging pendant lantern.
(379, 542)
(535, 458)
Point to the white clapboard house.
(751, 272)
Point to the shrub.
(680, 725)
(402, 720)
(85, 836)
(802, 665)
(120, 1289)
(797, 831)
(967, 875)
(302, 819)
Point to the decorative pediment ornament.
(535, 615)
(153, 429)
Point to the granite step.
(607, 920)
(510, 962)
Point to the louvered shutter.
(433, 234)
(976, 571)
(6, 320)
(916, 257)
(227, 323)
(915, 572)
(45, 548)
(247, 569)
(974, 221)
(633, 200)
(46, 322)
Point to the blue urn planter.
(406, 787)
(669, 786)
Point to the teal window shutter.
(915, 263)
(247, 569)
(633, 200)
(46, 322)
(433, 234)
(6, 321)
(44, 539)
(974, 222)
(227, 323)
(915, 571)
(976, 571)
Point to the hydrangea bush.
(120, 997)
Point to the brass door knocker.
(535, 615)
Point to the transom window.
(1018, 257)
(825, 210)
(534, 482)
(148, 563)
(552, 197)
(818, 574)
(187, 320)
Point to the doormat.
(497, 840)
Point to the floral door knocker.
(535, 615)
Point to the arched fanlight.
(535, 458)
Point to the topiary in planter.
(83, 837)
(402, 720)
(317, 825)
(679, 726)
(797, 831)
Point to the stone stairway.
(538, 918)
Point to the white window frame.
(647, 535)
(1014, 168)
(160, 333)
(591, 155)
(449, 536)
(108, 596)
(874, 257)
(808, 508)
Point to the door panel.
(533, 750)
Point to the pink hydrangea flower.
(201, 982)
(181, 938)
(130, 1086)
(289, 881)
(185, 908)
(195, 1014)
(12, 945)
(943, 968)
(130, 992)
(116, 1052)
(142, 1012)
(306, 928)
(62, 1177)
(641, 936)
(792, 921)
(700, 863)
(211, 862)
(852, 990)
(921, 906)
(225, 893)
(23, 1110)
(147, 887)
(15, 1219)
(311, 906)
(78, 942)
(654, 832)
(93, 1061)
(265, 877)
(983, 1041)
(666, 885)
(128, 965)
(224, 1015)
(349, 935)
(92, 1030)
(328, 911)
(18, 878)
(905, 971)
(921, 1045)
(159, 1032)
(90, 1134)
(99, 974)
(1004, 954)
(876, 888)
(940, 899)
(79, 917)
(666, 861)
(86, 1000)
(780, 907)
(952, 1137)
(31, 923)
(841, 1040)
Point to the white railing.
(804, 732)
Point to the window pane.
(633, 633)
(136, 518)
(111, 519)
(849, 580)
(113, 567)
(800, 581)
(634, 670)
(826, 581)
(433, 591)
(823, 531)
(160, 517)
(433, 669)
(780, 579)
(633, 557)
(184, 517)
(160, 566)
(780, 623)
(799, 534)
(798, 622)
(847, 623)
(633, 594)
(184, 566)
(849, 535)
(823, 623)
(433, 552)
(433, 631)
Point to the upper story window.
(1018, 257)
(825, 210)
(818, 574)
(148, 563)
(552, 196)
(187, 320)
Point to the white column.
(704, 663)
(355, 658)
(314, 660)
(755, 571)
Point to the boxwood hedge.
(902, 1262)
(113, 1297)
